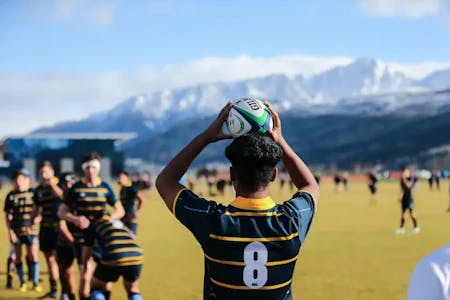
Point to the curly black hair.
(253, 158)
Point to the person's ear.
(274, 174)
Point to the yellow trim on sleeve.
(249, 239)
(252, 214)
(176, 199)
(244, 287)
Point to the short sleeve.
(111, 197)
(194, 212)
(7, 205)
(302, 208)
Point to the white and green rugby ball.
(249, 115)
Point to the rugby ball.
(249, 115)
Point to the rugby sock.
(19, 269)
(53, 287)
(134, 296)
(414, 222)
(35, 269)
(402, 222)
(71, 296)
(97, 295)
(29, 267)
(9, 274)
(107, 294)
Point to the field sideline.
(351, 253)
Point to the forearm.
(65, 232)
(298, 171)
(118, 212)
(66, 215)
(57, 191)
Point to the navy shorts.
(407, 202)
(27, 239)
(112, 273)
(66, 254)
(47, 239)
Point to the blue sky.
(76, 57)
(89, 36)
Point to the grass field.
(351, 253)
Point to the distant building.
(64, 150)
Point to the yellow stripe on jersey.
(226, 262)
(244, 287)
(125, 234)
(138, 261)
(127, 249)
(24, 195)
(94, 208)
(94, 199)
(250, 239)
(243, 264)
(252, 214)
(91, 190)
(118, 242)
(175, 200)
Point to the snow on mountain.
(362, 77)
(365, 86)
(437, 80)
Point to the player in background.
(372, 181)
(251, 245)
(45, 196)
(121, 257)
(20, 216)
(85, 202)
(66, 249)
(407, 183)
(131, 199)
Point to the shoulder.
(301, 199)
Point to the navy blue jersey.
(250, 246)
(21, 205)
(45, 198)
(90, 202)
(128, 197)
(117, 244)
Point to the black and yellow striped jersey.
(88, 201)
(116, 242)
(250, 246)
(45, 198)
(20, 205)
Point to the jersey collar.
(253, 204)
(98, 181)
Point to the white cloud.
(29, 101)
(98, 13)
(402, 8)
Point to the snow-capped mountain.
(365, 86)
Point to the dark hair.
(91, 156)
(253, 158)
(45, 163)
(123, 172)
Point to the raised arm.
(300, 174)
(167, 182)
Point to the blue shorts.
(27, 239)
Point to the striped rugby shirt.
(20, 205)
(90, 202)
(45, 197)
(250, 246)
(117, 243)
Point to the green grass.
(351, 251)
